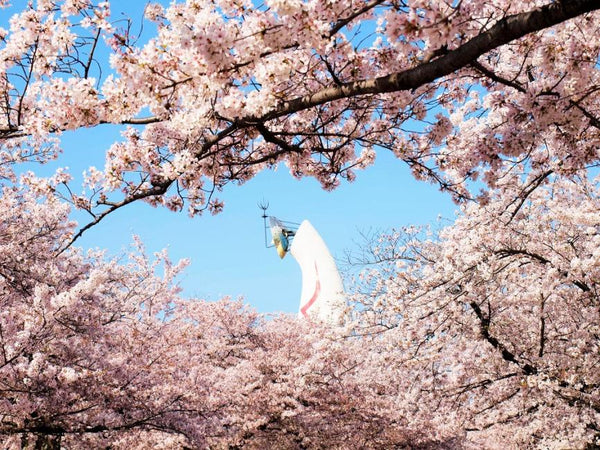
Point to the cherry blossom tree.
(498, 316)
(101, 353)
(79, 337)
(459, 90)
(486, 335)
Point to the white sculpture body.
(322, 289)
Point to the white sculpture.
(322, 296)
(322, 289)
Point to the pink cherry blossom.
(484, 335)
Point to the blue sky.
(227, 251)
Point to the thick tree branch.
(507, 355)
(504, 31)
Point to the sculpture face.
(280, 236)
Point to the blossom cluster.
(227, 88)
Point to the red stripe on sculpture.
(315, 295)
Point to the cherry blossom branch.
(527, 191)
(446, 62)
(270, 137)
(507, 355)
(88, 64)
(507, 419)
(506, 252)
(594, 121)
(345, 21)
(134, 121)
(504, 31)
(27, 80)
(497, 78)
(157, 189)
(543, 299)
